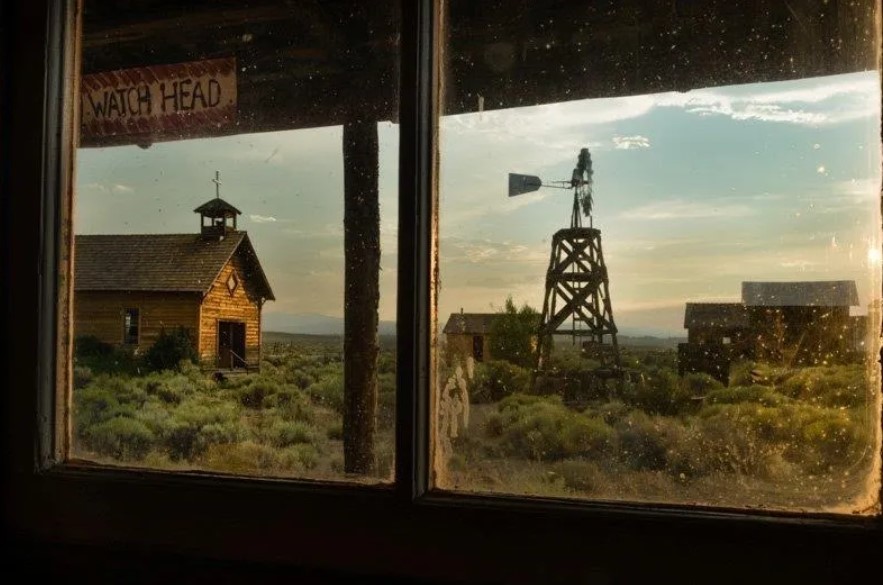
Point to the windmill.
(577, 286)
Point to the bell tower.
(217, 217)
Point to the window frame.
(127, 311)
(404, 529)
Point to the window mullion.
(417, 156)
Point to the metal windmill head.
(581, 181)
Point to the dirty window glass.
(235, 233)
(660, 253)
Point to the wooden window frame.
(404, 530)
(137, 326)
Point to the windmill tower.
(577, 297)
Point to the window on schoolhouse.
(235, 238)
(663, 219)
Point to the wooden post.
(361, 242)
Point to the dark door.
(231, 344)
(478, 347)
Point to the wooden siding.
(459, 345)
(100, 313)
(242, 306)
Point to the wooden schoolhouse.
(129, 288)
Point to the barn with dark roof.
(794, 322)
(129, 288)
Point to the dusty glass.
(660, 253)
(235, 238)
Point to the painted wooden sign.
(179, 100)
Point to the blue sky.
(694, 193)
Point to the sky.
(694, 193)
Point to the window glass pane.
(660, 253)
(235, 221)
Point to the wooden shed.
(717, 334)
(804, 322)
(129, 288)
(466, 334)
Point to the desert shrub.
(585, 436)
(496, 379)
(659, 393)
(494, 425)
(299, 378)
(120, 437)
(169, 350)
(328, 392)
(656, 359)
(569, 359)
(740, 373)
(738, 438)
(544, 429)
(736, 394)
(167, 387)
(291, 404)
(157, 416)
(101, 357)
(513, 333)
(748, 373)
(699, 383)
(831, 441)
(301, 456)
(285, 433)
(578, 474)
(246, 457)
(104, 398)
(82, 377)
(86, 346)
(644, 441)
(831, 386)
(257, 391)
(186, 436)
(611, 411)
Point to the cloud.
(829, 101)
(262, 218)
(117, 188)
(680, 209)
(630, 142)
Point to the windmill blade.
(585, 198)
(521, 184)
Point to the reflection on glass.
(218, 222)
(669, 297)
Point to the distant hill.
(650, 341)
(387, 342)
(314, 324)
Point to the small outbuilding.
(467, 334)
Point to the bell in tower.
(217, 217)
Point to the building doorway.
(231, 344)
(478, 348)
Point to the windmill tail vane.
(581, 182)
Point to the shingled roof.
(816, 293)
(469, 323)
(722, 315)
(216, 206)
(160, 262)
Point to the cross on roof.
(217, 182)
